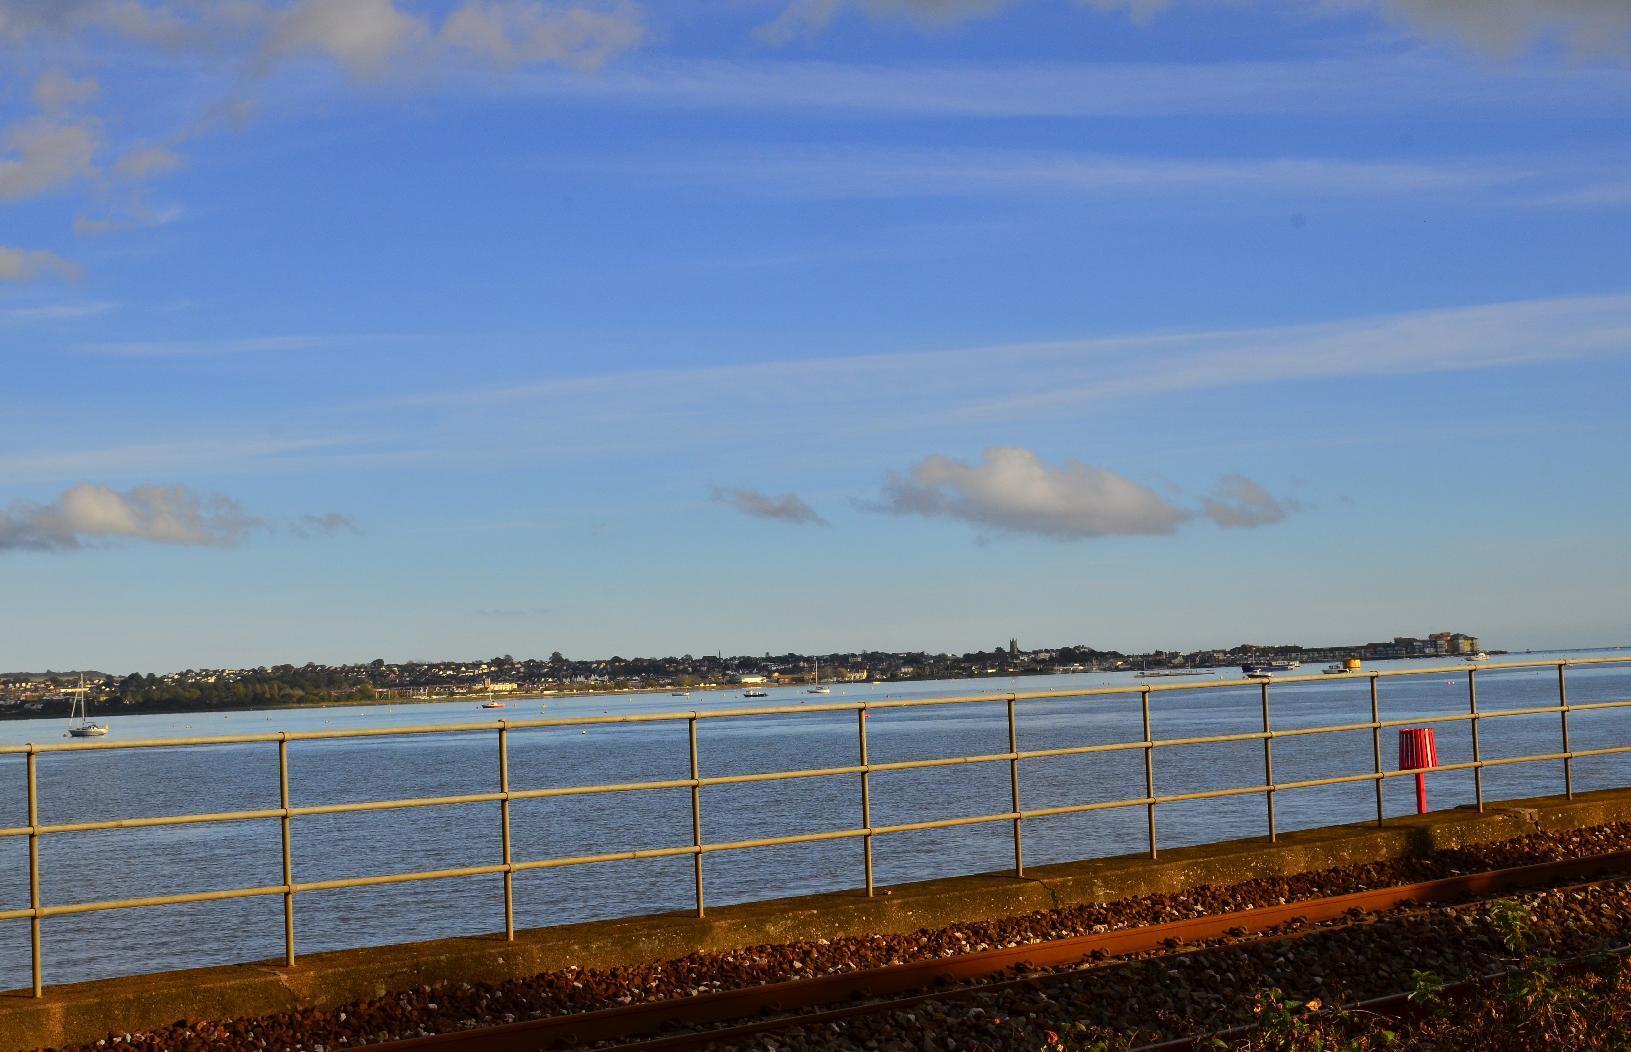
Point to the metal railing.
(866, 832)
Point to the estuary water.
(129, 863)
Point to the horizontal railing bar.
(712, 714)
(853, 769)
(1577, 753)
(153, 900)
(615, 856)
(688, 849)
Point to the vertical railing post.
(504, 827)
(1477, 754)
(1268, 762)
(285, 825)
(1149, 770)
(696, 814)
(1376, 745)
(866, 794)
(1563, 711)
(1013, 786)
(34, 872)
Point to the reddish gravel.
(1123, 1005)
(451, 1007)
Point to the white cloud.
(799, 17)
(143, 162)
(516, 33)
(1509, 26)
(364, 36)
(368, 38)
(26, 264)
(1240, 503)
(1012, 490)
(55, 91)
(43, 154)
(788, 507)
(1498, 26)
(87, 514)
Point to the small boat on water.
(1480, 656)
(1163, 673)
(755, 692)
(80, 724)
(817, 688)
(1261, 669)
(492, 704)
(679, 694)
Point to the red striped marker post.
(1416, 751)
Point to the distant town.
(24, 694)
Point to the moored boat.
(80, 725)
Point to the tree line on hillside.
(279, 685)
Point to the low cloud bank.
(87, 515)
(1012, 490)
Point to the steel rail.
(1149, 745)
(511, 868)
(505, 796)
(818, 993)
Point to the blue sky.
(342, 330)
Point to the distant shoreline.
(106, 712)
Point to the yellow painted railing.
(285, 813)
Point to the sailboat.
(818, 688)
(79, 723)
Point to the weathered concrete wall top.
(88, 1011)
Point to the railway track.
(731, 1016)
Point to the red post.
(1418, 750)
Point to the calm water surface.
(117, 864)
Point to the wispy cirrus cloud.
(789, 507)
(1414, 81)
(608, 416)
(860, 172)
(231, 345)
(56, 312)
(196, 452)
